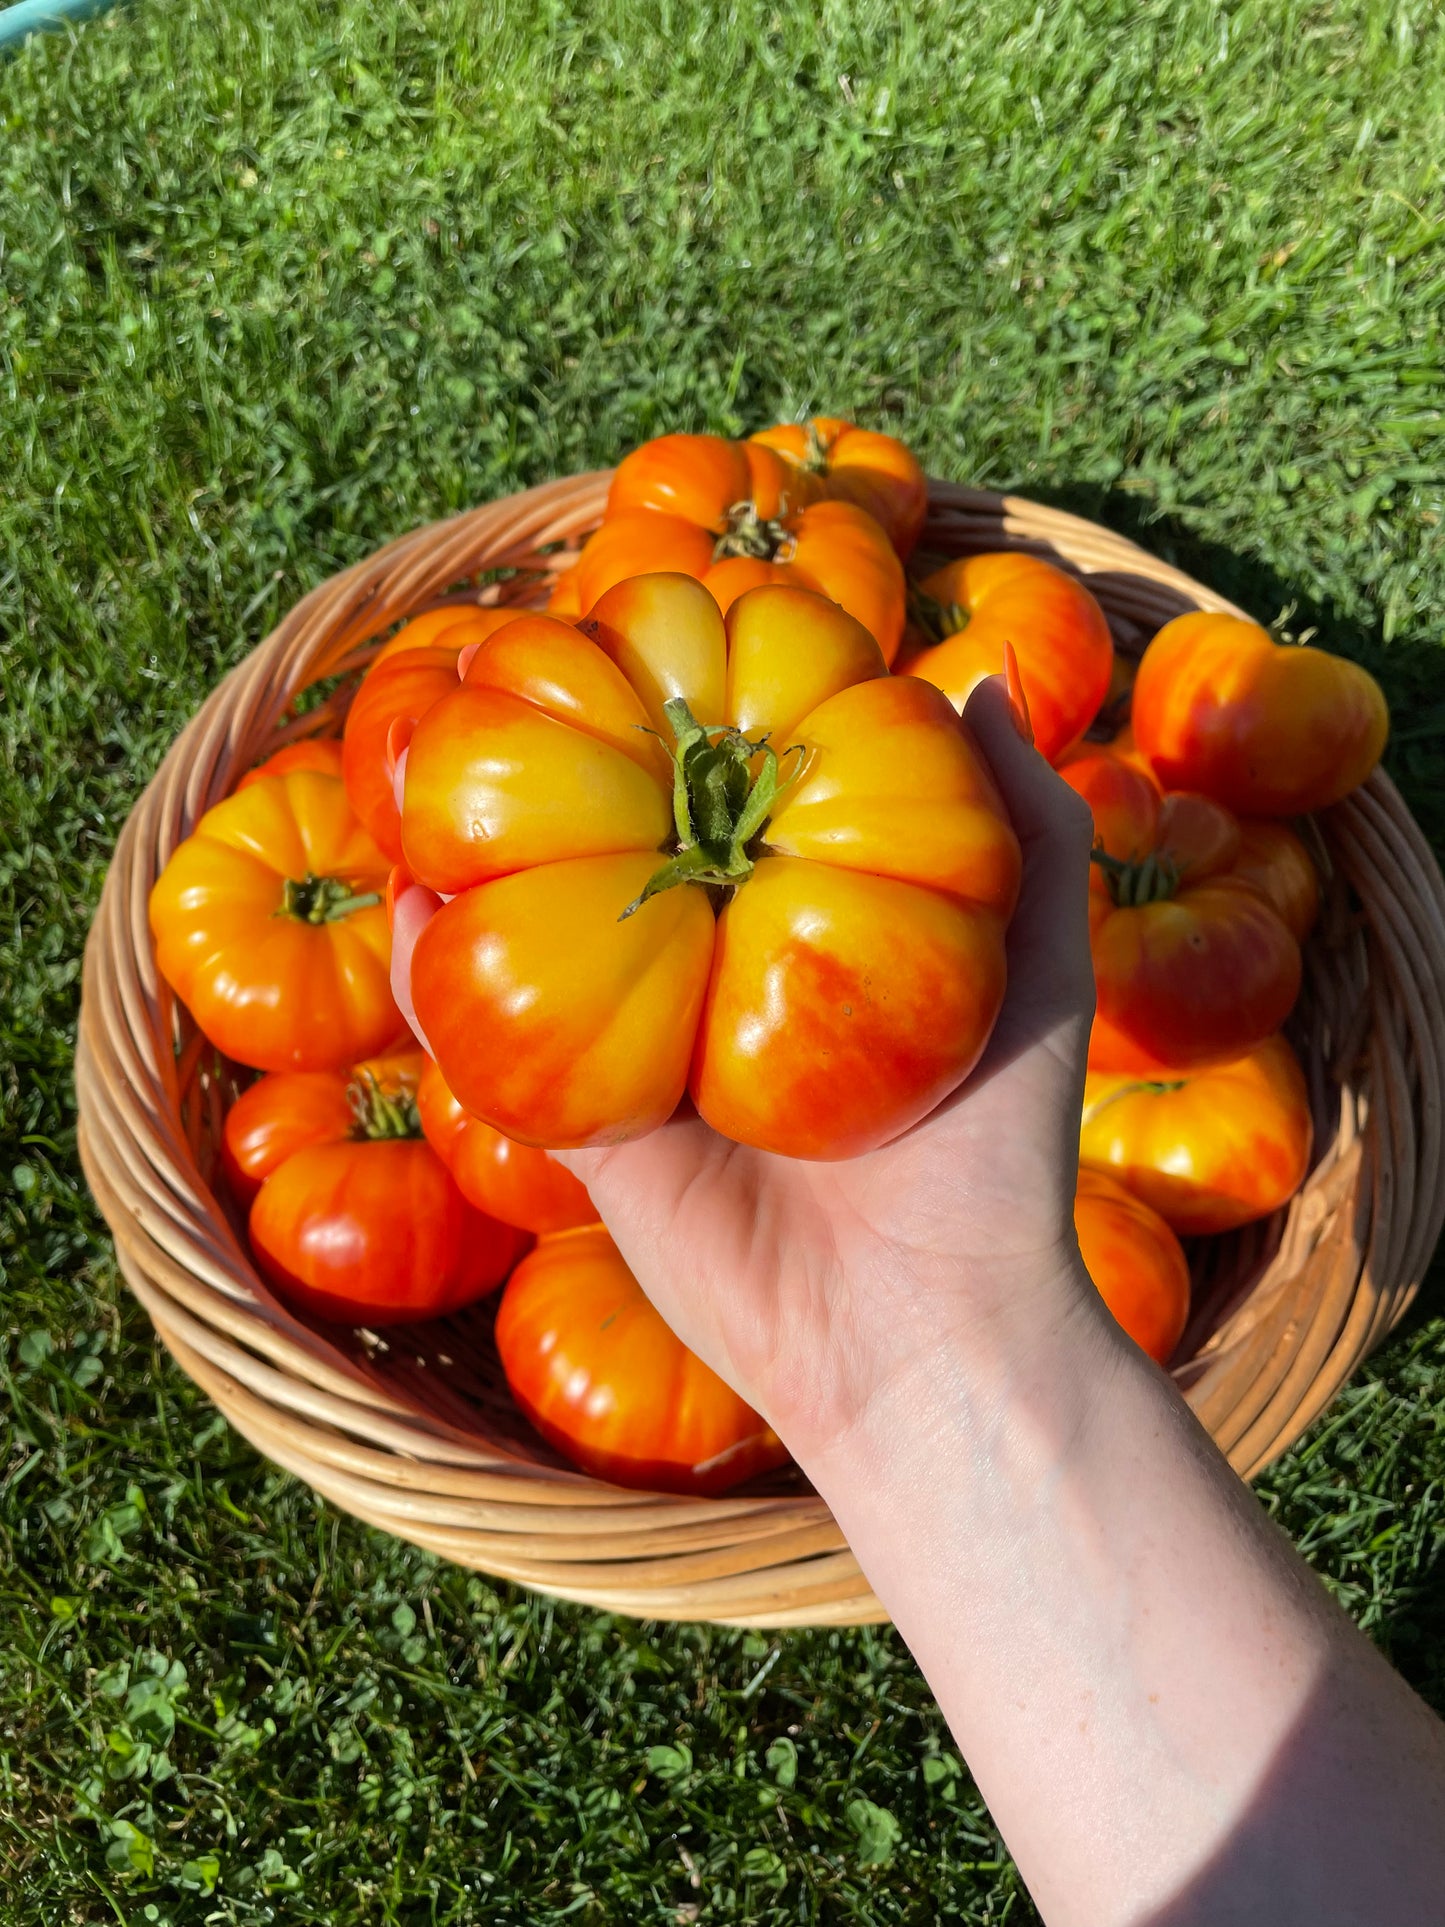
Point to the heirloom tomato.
(269, 925)
(514, 1182)
(688, 852)
(1208, 1149)
(1274, 860)
(353, 1216)
(384, 712)
(975, 605)
(1271, 729)
(1191, 965)
(735, 515)
(604, 1379)
(319, 754)
(875, 472)
(452, 627)
(1136, 1262)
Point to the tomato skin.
(516, 1183)
(1274, 860)
(674, 507)
(873, 914)
(385, 711)
(875, 472)
(270, 989)
(1136, 1262)
(1058, 630)
(451, 628)
(604, 1380)
(350, 1228)
(1269, 729)
(1208, 1150)
(320, 754)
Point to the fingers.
(412, 910)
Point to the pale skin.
(1170, 1720)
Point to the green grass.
(272, 290)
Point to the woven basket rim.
(394, 1441)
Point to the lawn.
(274, 289)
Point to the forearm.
(1151, 1688)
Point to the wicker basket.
(417, 1434)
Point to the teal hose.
(36, 16)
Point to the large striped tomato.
(353, 1216)
(603, 1379)
(736, 515)
(1135, 1261)
(1208, 1149)
(980, 602)
(731, 857)
(269, 925)
(514, 1182)
(1192, 965)
(875, 472)
(1271, 729)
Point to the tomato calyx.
(938, 620)
(1147, 1086)
(720, 803)
(746, 533)
(815, 453)
(1136, 881)
(313, 899)
(382, 1115)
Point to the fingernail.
(1018, 702)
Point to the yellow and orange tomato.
(1136, 1262)
(876, 472)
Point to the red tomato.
(1136, 1263)
(604, 1380)
(1273, 860)
(875, 472)
(1191, 965)
(736, 515)
(1210, 1149)
(514, 1182)
(1270, 729)
(1057, 629)
(319, 754)
(819, 964)
(353, 1217)
(269, 925)
(386, 709)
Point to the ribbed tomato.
(603, 1379)
(514, 1182)
(386, 709)
(453, 627)
(1274, 860)
(796, 912)
(353, 1216)
(979, 602)
(1135, 1261)
(269, 925)
(873, 471)
(1191, 965)
(1208, 1149)
(1270, 729)
(319, 754)
(736, 515)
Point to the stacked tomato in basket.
(710, 832)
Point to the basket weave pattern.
(417, 1434)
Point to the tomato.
(269, 925)
(566, 598)
(320, 754)
(1136, 1262)
(452, 627)
(1066, 656)
(353, 1216)
(1209, 1149)
(875, 472)
(1191, 965)
(1274, 860)
(514, 1182)
(735, 515)
(817, 955)
(1270, 729)
(383, 714)
(604, 1379)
